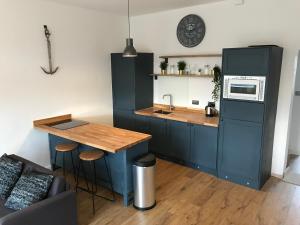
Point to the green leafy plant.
(181, 65)
(217, 82)
(163, 65)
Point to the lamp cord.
(128, 18)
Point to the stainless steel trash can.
(144, 182)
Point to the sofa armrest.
(59, 210)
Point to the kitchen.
(199, 168)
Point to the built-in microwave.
(251, 88)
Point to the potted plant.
(181, 67)
(217, 83)
(163, 66)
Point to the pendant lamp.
(129, 51)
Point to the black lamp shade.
(129, 51)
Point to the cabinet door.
(142, 124)
(239, 151)
(204, 147)
(246, 61)
(179, 140)
(158, 129)
(123, 83)
(124, 119)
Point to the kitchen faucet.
(171, 107)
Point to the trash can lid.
(145, 160)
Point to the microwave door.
(239, 89)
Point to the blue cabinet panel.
(240, 151)
(124, 119)
(142, 124)
(159, 141)
(246, 61)
(123, 82)
(179, 140)
(243, 110)
(131, 84)
(204, 147)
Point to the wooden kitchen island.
(122, 147)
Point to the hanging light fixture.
(129, 51)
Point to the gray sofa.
(59, 208)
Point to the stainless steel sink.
(162, 112)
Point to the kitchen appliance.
(210, 110)
(251, 88)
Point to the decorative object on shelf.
(163, 66)
(51, 70)
(129, 50)
(207, 70)
(172, 69)
(181, 67)
(217, 83)
(191, 31)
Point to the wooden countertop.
(195, 116)
(100, 136)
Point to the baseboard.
(277, 175)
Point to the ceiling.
(138, 7)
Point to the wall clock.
(191, 30)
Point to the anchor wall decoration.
(51, 70)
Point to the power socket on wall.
(195, 102)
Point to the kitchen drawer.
(241, 110)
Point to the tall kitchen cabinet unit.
(132, 87)
(247, 127)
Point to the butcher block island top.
(182, 114)
(99, 136)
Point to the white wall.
(255, 22)
(294, 145)
(82, 41)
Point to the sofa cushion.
(10, 171)
(3, 210)
(58, 184)
(29, 189)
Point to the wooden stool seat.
(66, 147)
(91, 155)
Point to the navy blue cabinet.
(132, 87)
(159, 132)
(179, 140)
(240, 151)
(142, 124)
(246, 61)
(204, 145)
(124, 119)
(189, 144)
(246, 136)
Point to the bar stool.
(91, 157)
(66, 148)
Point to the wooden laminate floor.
(187, 196)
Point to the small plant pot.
(181, 72)
(163, 72)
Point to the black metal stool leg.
(64, 164)
(93, 192)
(74, 170)
(95, 175)
(78, 172)
(85, 177)
(110, 178)
(54, 165)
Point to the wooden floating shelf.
(184, 75)
(190, 56)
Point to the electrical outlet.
(195, 102)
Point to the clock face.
(191, 31)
